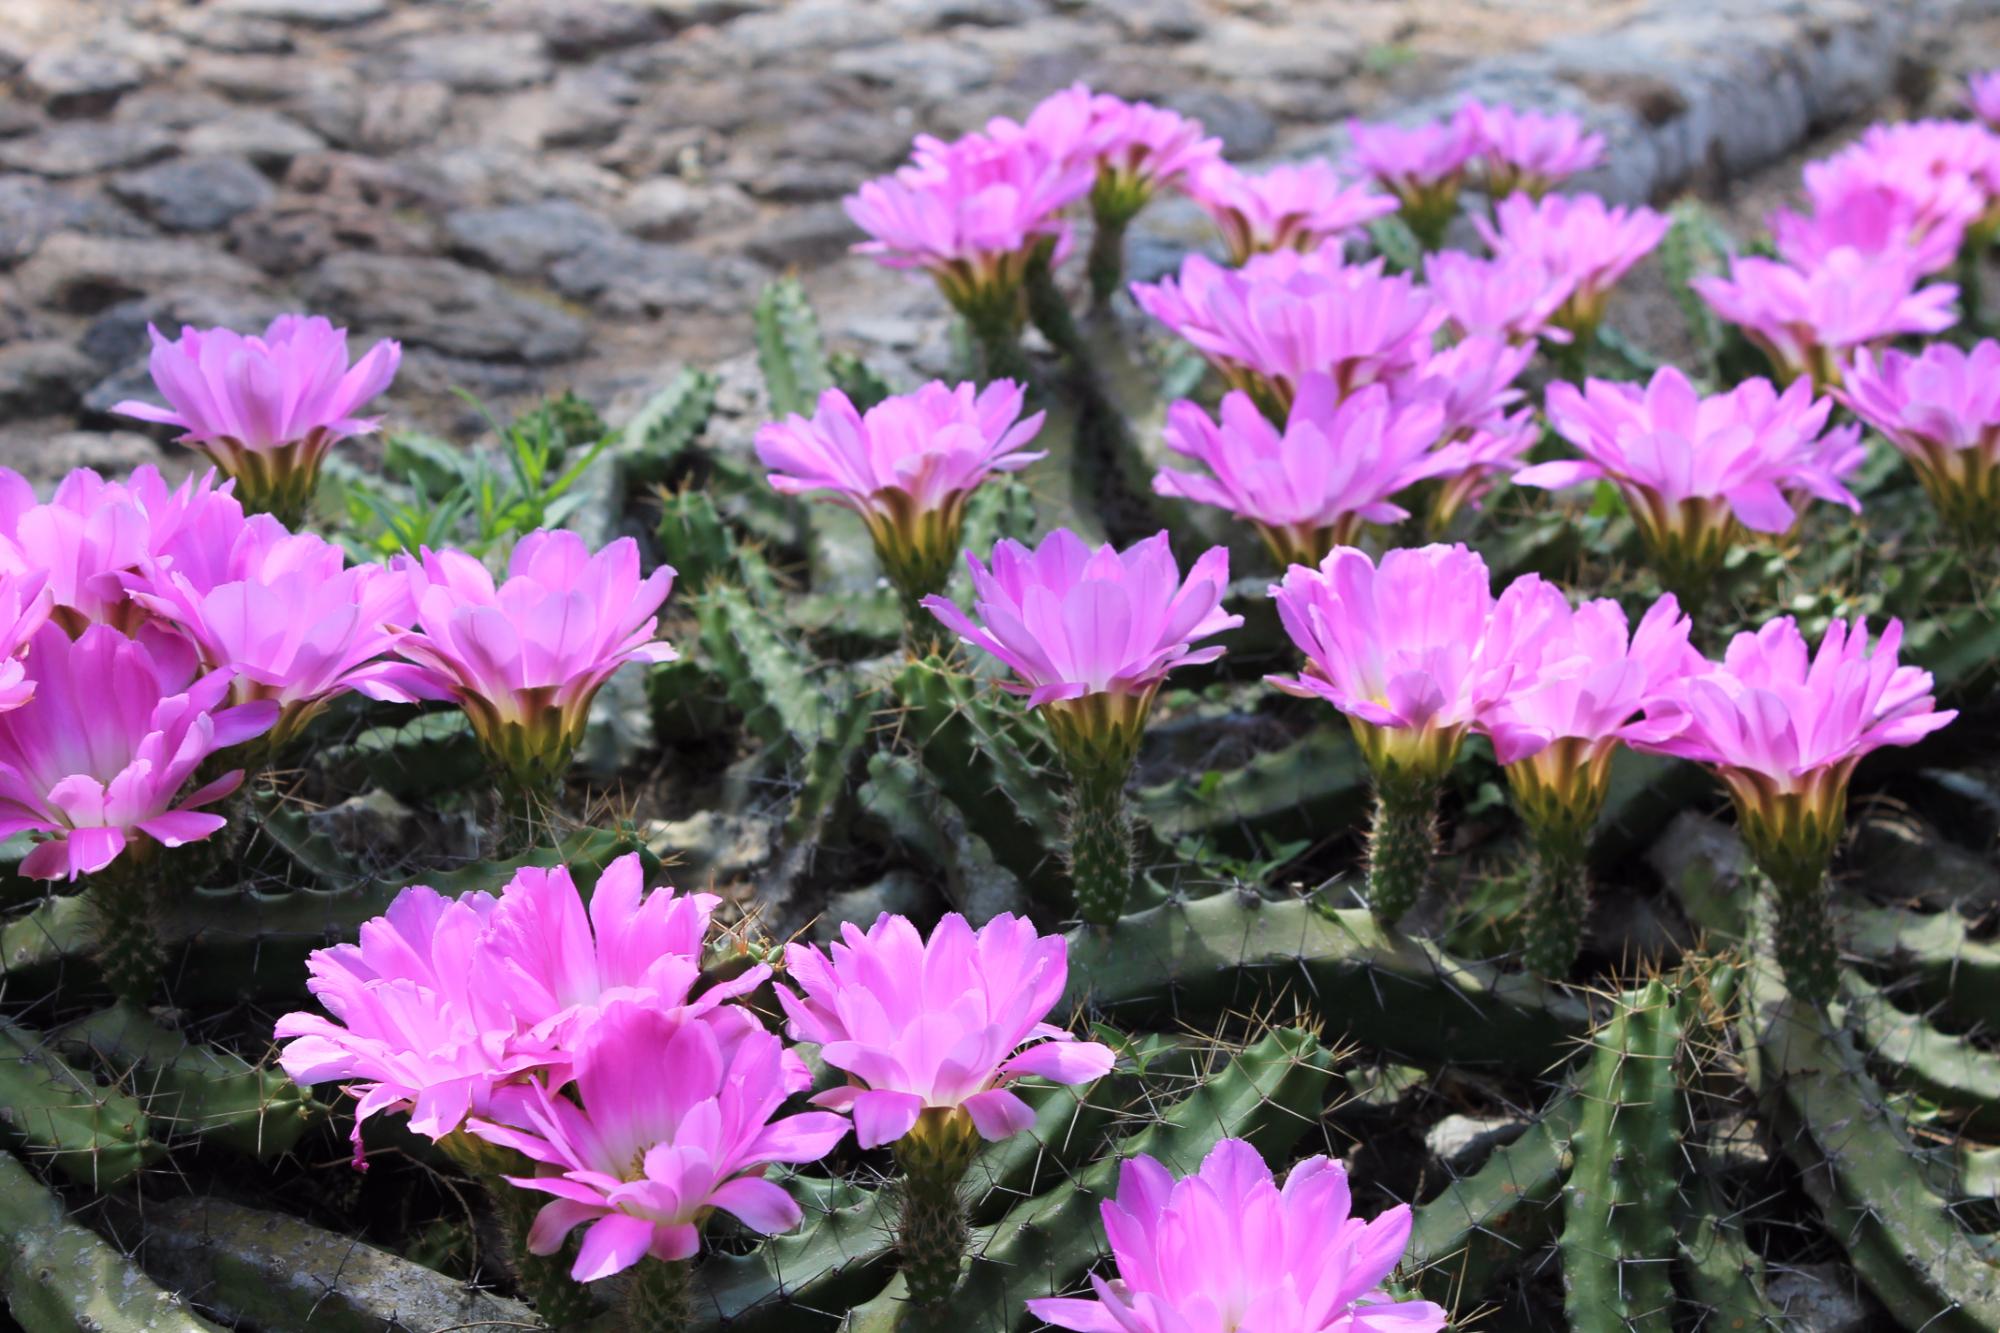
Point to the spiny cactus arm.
(191, 1088)
(838, 1257)
(1481, 1226)
(667, 425)
(37, 947)
(60, 1275)
(1271, 1094)
(1719, 1273)
(1187, 963)
(271, 1271)
(95, 1136)
(1617, 1240)
(1317, 783)
(1944, 1067)
(410, 760)
(789, 349)
(1935, 952)
(1855, 1157)
(769, 678)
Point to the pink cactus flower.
(1136, 149)
(266, 409)
(1292, 206)
(1310, 487)
(1942, 410)
(1468, 466)
(672, 1119)
(937, 1028)
(1398, 648)
(1073, 622)
(98, 757)
(1982, 95)
(1584, 682)
(1422, 165)
(1532, 152)
(1510, 299)
(1584, 245)
(1941, 181)
(1876, 220)
(25, 607)
(558, 963)
(1809, 321)
(293, 624)
(1472, 381)
(1226, 1249)
(1783, 728)
(416, 1024)
(526, 658)
(94, 533)
(1286, 315)
(1691, 468)
(907, 466)
(974, 213)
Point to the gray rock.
(84, 274)
(625, 277)
(971, 13)
(926, 70)
(233, 34)
(170, 109)
(380, 830)
(714, 846)
(16, 117)
(1463, 1142)
(307, 13)
(194, 193)
(83, 147)
(1160, 20)
(524, 239)
(815, 234)
(1819, 1298)
(116, 338)
(437, 303)
(402, 115)
(666, 209)
(40, 378)
(83, 80)
(1246, 129)
(687, 12)
(900, 891)
(580, 29)
(477, 62)
(110, 452)
(268, 139)
(981, 887)
(820, 27)
(32, 208)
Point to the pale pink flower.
(25, 607)
(1227, 1251)
(1398, 648)
(1074, 622)
(1469, 465)
(292, 622)
(1510, 299)
(1310, 487)
(1877, 220)
(1422, 165)
(1292, 206)
(1136, 149)
(937, 1025)
(907, 466)
(100, 754)
(1532, 152)
(973, 213)
(1783, 727)
(672, 1117)
(1982, 94)
(1691, 467)
(1584, 245)
(1286, 315)
(1942, 410)
(1472, 381)
(266, 409)
(525, 658)
(1808, 321)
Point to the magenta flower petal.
(1292, 206)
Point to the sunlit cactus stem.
(1802, 937)
(931, 1230)
(1559, 791)
(1402, 846)
(1792, 837)
(544, 1279)
(660, 1298)
(1098, 739)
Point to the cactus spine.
(1558, 900)
(1100, 850)
(1802, 936)
(1618, 1239)
(125, 925)
(931, 1230)
(1402, 844)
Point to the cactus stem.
(932, 1231)
(660, 1298)
(1100, 849)
(1802, 937)
(1107, 259)
(125, 911)
(1558, 901)
(1402, 844)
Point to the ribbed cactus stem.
(660, 1298)
(1802, 936)
(1402, 844)
(1100, 850)
(124, 904)
(543, 1278)
(931, 1229)
(1558, 901)
(1107, 258)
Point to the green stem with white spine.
(1402, 845)
(660, 1298)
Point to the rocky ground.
(548, 193)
